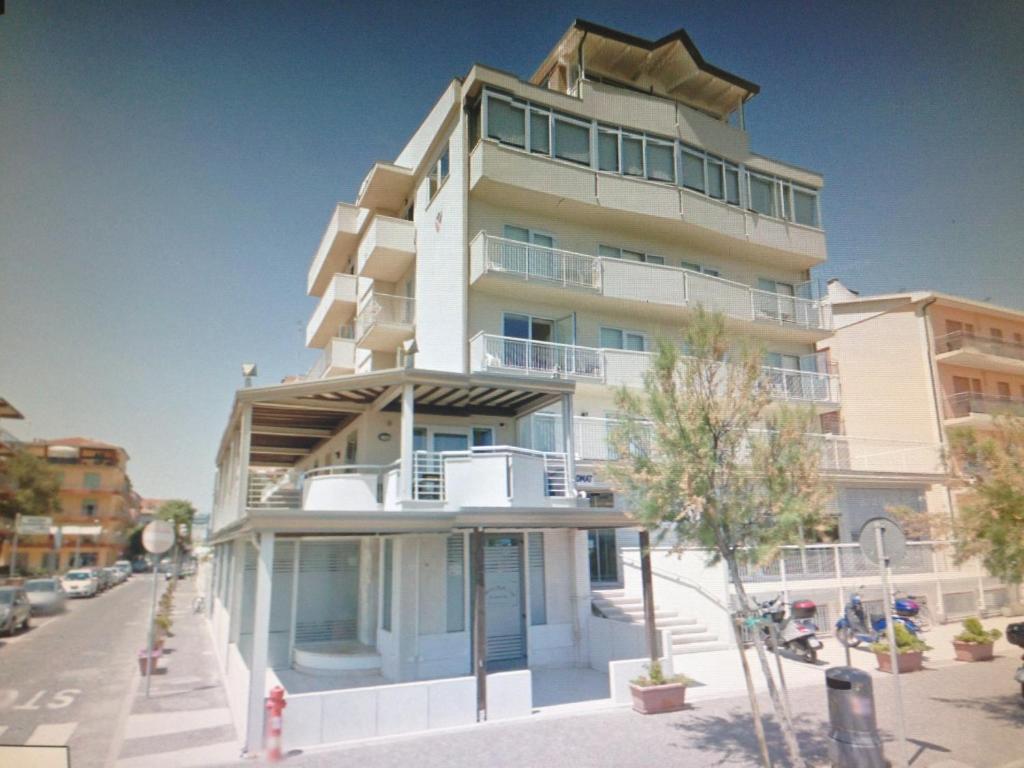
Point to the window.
(732, 185)
(90, 508)
(694, 267)
(439, 172)
(660, 161)
(92, 480)
(572, 140)
(387, 584)
(455, 569)
(1003, 388)
(762, 195)
(805, 207)
(540, 132)
(538, 601)
(506, 121)
(483, 437)
(616, 338)
(952, 326)
(693, 171)
(351, 447)
(716, 181)
(996, 333)
(632, 155)
(607, 150)
(614, 252)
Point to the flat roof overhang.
(386, 188)
(290, 421)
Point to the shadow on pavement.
(1008, 709)
(732, 738)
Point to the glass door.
(604, 560)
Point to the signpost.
(882, 541)
(27, 525)
(157, 538)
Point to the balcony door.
(520, 351)
(534, 257)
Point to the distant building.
(148, 509)
(96, 507)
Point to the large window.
(693, 171)
(572, 140)
(540, 132)
(608, 150)
(805, 207)
(506, 121)
(762, 195)
(660, 161)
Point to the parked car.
(104, 578)
(115, 574)
(45, 595)
(15, 610)
(140, 566)
(81, 582)
(125, 567)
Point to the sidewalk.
(186, 720)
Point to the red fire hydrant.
(272, 734)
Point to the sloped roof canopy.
(670, 66)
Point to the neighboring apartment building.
(95, 499)
(477, 304)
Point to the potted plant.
(654, 693)
(148, 664)
(909, 651)
(161, 629)
(975, 643)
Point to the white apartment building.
(428, 502)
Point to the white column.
(569, 441)
(405, 464)
(245, 437)
(260, 643)
(580, 595)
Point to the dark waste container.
(853, 732)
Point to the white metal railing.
(428, 476)
(624, 279)
(384, 308)
(839, 453)
(272, 489)
(959, 340)
(966, 403)
(617, 367)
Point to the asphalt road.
(66, 680)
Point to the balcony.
(620, 367)
(981, 352)
(384, 321)
(970, 409)
(387, 249)
(336, 308)
(491, 477)
(539, 273)
(510, 176)
(839, 454)
(336, 246)
(337, 359)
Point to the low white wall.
(612, 640)
(552, 645)
(362, 713)
(340, 492)
(236, 676)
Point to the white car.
(81, 582)
(125, 567)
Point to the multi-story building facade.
(95, 499)
(429, 501)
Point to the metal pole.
(152, 619)
(476, 546)
(901, 726)
(13, 570)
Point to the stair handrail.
(685, 583)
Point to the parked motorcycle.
(1015, 635)
(796, 632)
(855, 626)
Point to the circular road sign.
(158, 537)
(894, 541)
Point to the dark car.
(15, 610)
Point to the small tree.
(28, 486)
(703, 462)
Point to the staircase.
(688, 635)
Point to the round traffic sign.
(158, 537)
(894, 542)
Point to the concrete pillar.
(406, 445)
(569, 441)
(260, 644)
(580, 595)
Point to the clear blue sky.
(167, 169)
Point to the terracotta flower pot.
(906, 662)
(655, 699)
(973, 651)
(148, 665)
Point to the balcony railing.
(655, 283)
(385, 309)
(958, 340)
(618, 367)
(838, 453)
(969, 403)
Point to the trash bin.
(853, 732)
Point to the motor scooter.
(796, 632)
(1015, 635)
(855, 626)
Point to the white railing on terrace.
(272, 489)
(959, 340)
(617, 367)
(645, 282)
(430, 476)
(839, 453)
(384, 308)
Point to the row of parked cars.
(47, 595)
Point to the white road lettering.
(32, 703)
(63, 698)
(7, 697)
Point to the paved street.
(968, 714)
(65, 681)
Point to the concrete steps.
(688, 634)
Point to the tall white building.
(476, 306)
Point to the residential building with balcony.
(95, 498)
(429, 503)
